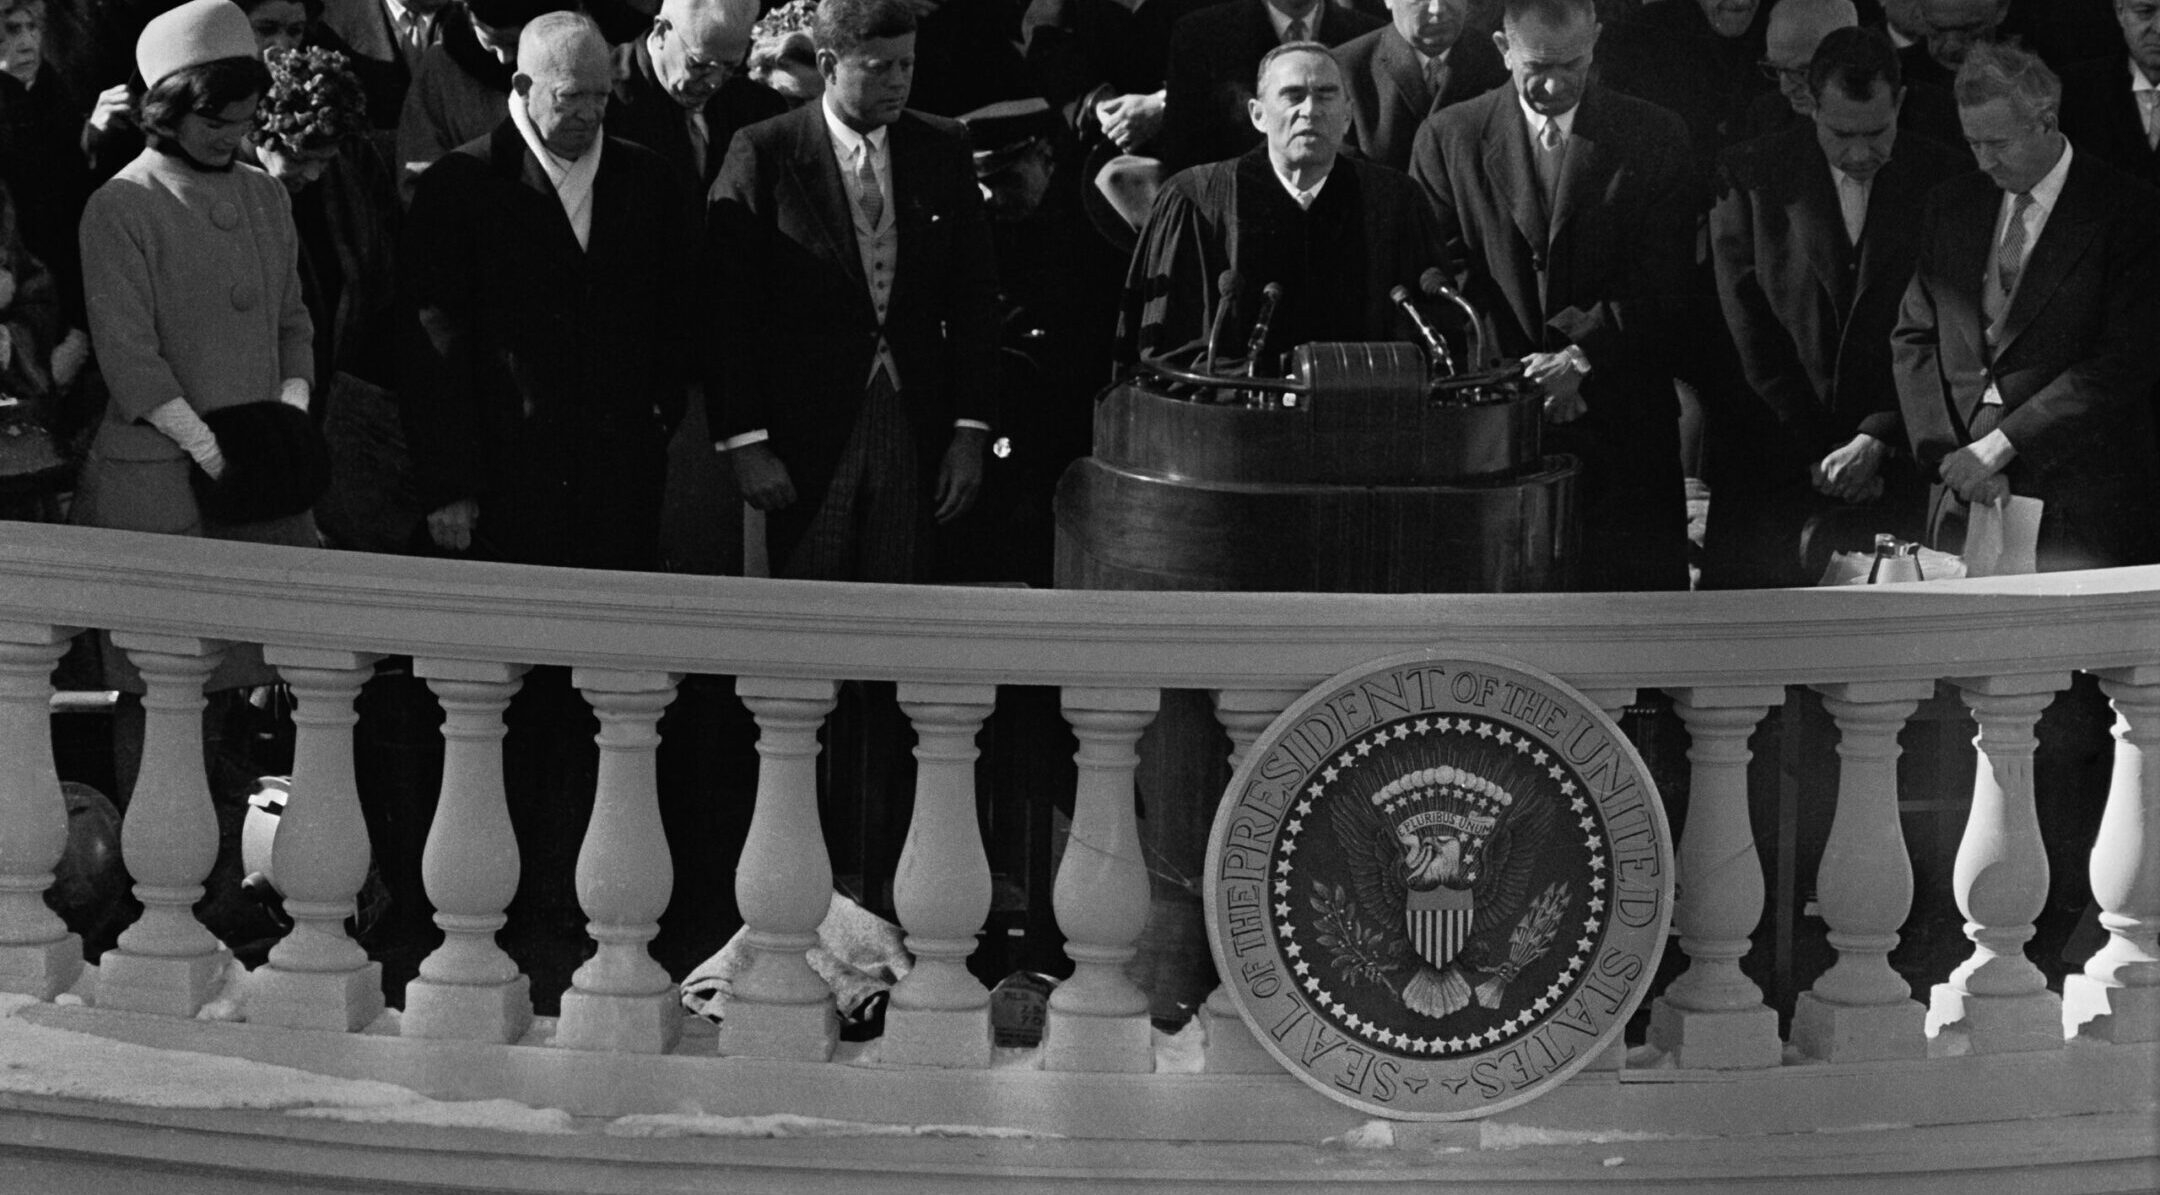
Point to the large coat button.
(225, 214)
(245, 295)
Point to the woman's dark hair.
(202, 90)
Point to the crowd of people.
(1797, 249)
(825, 291)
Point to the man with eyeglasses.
(680, 89)
(2023, 351)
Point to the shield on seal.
(1439, 921)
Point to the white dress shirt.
(1852, 197)
(1281, 21)
(1304, 199)
(2147, 94)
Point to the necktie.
(700, 139)
(1436, 77)
(866, 177)
(2010, 256)
(1549, 148)
(2003, 276)
(2149, 104)
(1296, 31)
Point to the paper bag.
(2002, 538)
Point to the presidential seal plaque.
(1436, 888)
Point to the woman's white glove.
(295, 392)
(184, 427)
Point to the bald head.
(563, 77)
(1796, 28)
(696, 44)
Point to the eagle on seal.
(1453, 850)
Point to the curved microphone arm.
(1170, 373)
(1435, 284)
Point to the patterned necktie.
(2149, 106)
(866, 177)
(1436, 77)
(1296, 31)
(1549, 147)
(2010, 256)
(1852, 205)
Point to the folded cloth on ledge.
(858, 955)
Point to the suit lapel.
(815, 175)
(1507, 158)
(1582, 168)
(2068, 233)
(1818, 220)
(1401, 81)
(515, 160)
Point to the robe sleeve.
(1170, 289)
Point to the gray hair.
(1284, 50)
(2007, 71)
(552, 41)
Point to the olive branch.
(1359, 954)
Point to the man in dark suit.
(1953, 28)
(385, 39)
(552, 270)
(1214, 54)
(858, 361)
(1406, 70)
(2024, 349)
(1566, 212)
(680, 90)
(2114, 114)
(1814, 239)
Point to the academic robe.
(1366, 233)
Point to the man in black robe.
(1337, 234)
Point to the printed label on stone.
(1437, 888)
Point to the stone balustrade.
(2005, 646)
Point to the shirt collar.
(1839, 178)
(1424, 59)
(1304, 199)
(399, 14)
(2138, 79)
(2049, 189)
(846, 140)
(1537, 119)
(1281, 22)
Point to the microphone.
(1270, 295)
(1434, 283)
(1400, 296)
(1226, 284)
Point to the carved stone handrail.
(356, 602)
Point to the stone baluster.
(2117, 998)
(38, 956)
(940, 1014)
(468, 988)
(1997, 1001)
(1231, 1046)
(166, 962)
(317, 976)
(779, 1008)
(1713, 1015)
(621, 1000)
(1098, 1019)
(1862, 1010)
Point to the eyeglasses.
(706, 68)
(1777, 73)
